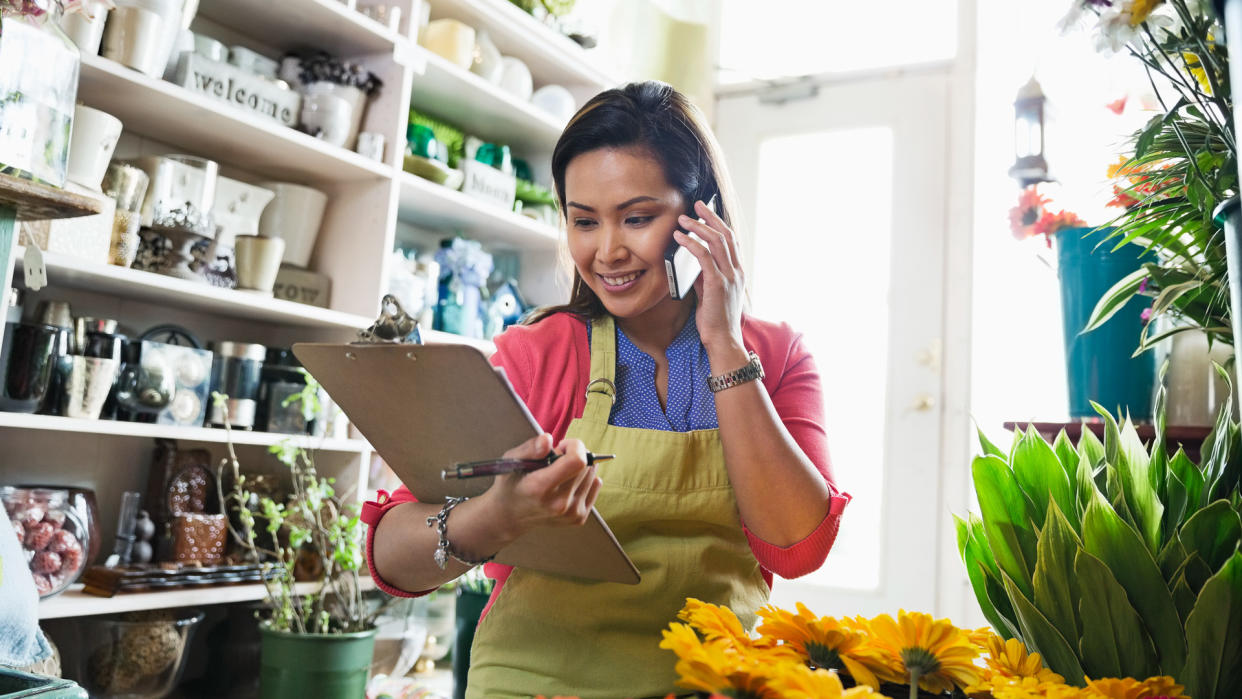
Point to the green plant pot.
(469, 606)
(1099, 365)
(315, 666)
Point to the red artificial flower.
(1117, 106)
(1024, 217)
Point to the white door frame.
(931, 576)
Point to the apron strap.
(601, 392)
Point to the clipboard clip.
(394, 326)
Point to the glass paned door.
(845, 216)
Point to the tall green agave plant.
(1113, 560)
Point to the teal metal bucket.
(1099, 364)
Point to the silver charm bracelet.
(444, 549)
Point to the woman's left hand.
(722, 286)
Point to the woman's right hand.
(561, 494)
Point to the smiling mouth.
(621, 280)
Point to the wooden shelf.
(201, 126)
(480, 108)
(142, 430)
(551, 56)
(75, 273)
(427, 204)
(288, 25)
(74, 603)
(34, 201)
(433, 337)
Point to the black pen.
(495, 467)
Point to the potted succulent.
(1112, 559)
(316, 642)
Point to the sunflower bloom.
(826, 643)
(935, 655)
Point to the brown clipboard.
(426, 407)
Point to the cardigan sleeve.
(797, 397)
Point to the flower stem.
(914, 684)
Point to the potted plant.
(316, 642)
(1182, 167)
(1111, 558)
(1098, 366)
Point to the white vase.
(1194, 391)
(86, 28)
(258, 262)
(355, 97)
(295, 216)
(141, 33)
(94, 138)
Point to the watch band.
(750, 372)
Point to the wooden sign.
(228, 83)
(489, 184)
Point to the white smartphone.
(681, 265)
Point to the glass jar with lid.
(236, 372)
(55, 538)
(38, 85)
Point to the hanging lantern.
(1029, 166)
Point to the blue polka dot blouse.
(691, 404)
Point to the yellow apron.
(668, 500)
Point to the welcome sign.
(228, 83)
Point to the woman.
(716, 485)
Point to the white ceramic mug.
(94, 138)
(554, 100)
(356, 98)
(515, 78)
(451, 40)
(85, 29)
(141, 34)
(258, 261)
(371, 145)
(328, 114)
(294, 216)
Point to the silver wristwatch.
(752, 371)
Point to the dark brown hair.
(654, 117)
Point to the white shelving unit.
(75, 273)
(367, 199)
(202, 435)
(73, 602)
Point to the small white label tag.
(34, 269)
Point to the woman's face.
(621, 215)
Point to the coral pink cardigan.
(549, 363)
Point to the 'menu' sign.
(231, 84)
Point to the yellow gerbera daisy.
(1011, 658)
(935, 654)
(716, 667)
(716, 623)
(1140, 9)
(1029, 688)
(1164, 687)
(797, 681)
(827, 643)
(1130, 688)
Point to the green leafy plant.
(1111, 559)
(1182, 167)
(312, 529)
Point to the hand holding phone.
(681, 266)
